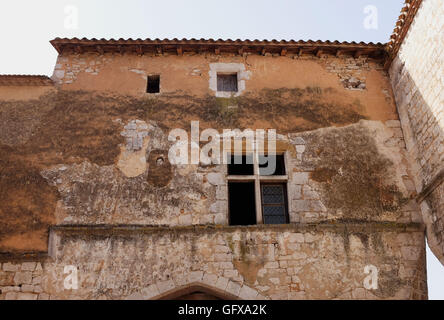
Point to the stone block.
(26, 296)
(393, 123)
(10, 289)
(247, 293)
(150, 292)
(27, 288)
(216, 178)
(165, 286)
(222, 283)
(43, 296)
(210, 279)
(233, 288)
(300, 177)
(23, 278)
(195, 276)
(411, 253)
(11, 296)
(11, 267)
(185, 219)
(28, 266)
(6, 278)
(296, 237)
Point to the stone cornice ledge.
(339, 226)
(103, 231)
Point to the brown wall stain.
(20, 93)
(82, 121)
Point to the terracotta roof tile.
(24, 80)
(402, 26)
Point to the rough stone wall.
(321, 186)
(61, 150)
(417, 79)
(95, 152)
(281, 262)
(22, 281)
(353, 78)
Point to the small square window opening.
(153, 85)
(227, 82)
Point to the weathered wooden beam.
(99, 49)
(139, 50)
(363, 53)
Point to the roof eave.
(282, 47)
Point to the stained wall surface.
(83, 175)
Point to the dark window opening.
(240, 165)
(274, 203)
(227, 82)
(153, 85)
(242, 203)
(267, 167)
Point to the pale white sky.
(26, 26)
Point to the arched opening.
(198, 292)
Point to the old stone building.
(92, 206)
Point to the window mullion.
(257, 187)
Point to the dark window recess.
(242, 203)
(267, 168)
(240, 165)
(153, 85)
(274, 204)
(227, 82)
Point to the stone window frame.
(259, 179)
(228, 68)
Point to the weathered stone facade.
(316, 261)
(417, 79)
(88, 190)
(125, 219)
